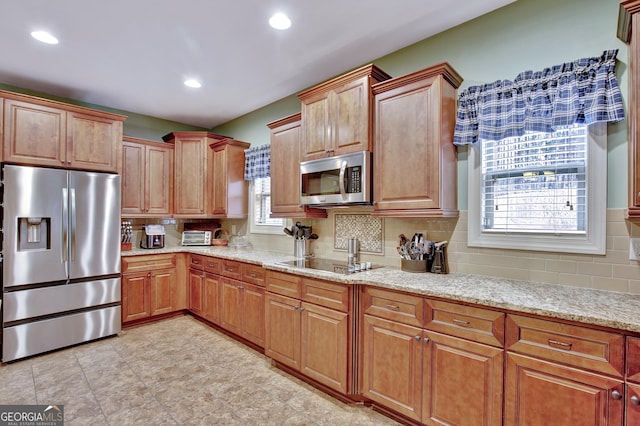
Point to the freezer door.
(94, 216)
(34, 227)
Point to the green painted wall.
(138, 125)
(525, 35)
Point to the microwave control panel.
(354, 180)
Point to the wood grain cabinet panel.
(632, 405)
(545, 393)
(415, 117)
(462, 382)
(149, 286)
(282, 341)
(242, 309)
(392, 365)
(147, 178)
(577, 346)
(43, 132)
(230, 191)
(285, 142)
(337, 114)
(402, 308)
(196, 291)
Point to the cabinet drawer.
(148, 263)
(284, 284)
(477, 324)
(323, 293)
(394, 306)
(196, 262)
(253, 274)
(231, 269)
(568, 344)
(212, 265)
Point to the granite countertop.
(598, 307)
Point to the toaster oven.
(196, 238)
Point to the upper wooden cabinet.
(285, 170)
(147, 178)
(415, 161)
(208, 175)
(336, 115)
(629, 31)
(229, 190)
(49, 133)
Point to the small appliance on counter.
(196, 238)
(152, 237)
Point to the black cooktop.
(329, 265)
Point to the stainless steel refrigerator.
(61, 258)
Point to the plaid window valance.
(583, 91)
(257, 162)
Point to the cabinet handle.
(301, 309)
(149, 275)
(202, 276)
(426, 340)
(616, 395)
(417, 338)
(252, 275)
(561, 345)
(460, 322)
(635, 400)
(296, 307)
(392, 307)
(240, 287)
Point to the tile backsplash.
(369, 231)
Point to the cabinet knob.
(296, 308)
(426, 340)
(635, 400)
(240, 287)
(301, 309)
(149, 275)
(417, 338)
(616, 395)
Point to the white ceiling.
(134, 54)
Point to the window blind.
(536, 182)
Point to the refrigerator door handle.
(65, 224)
(72, 199)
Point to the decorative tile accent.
(369, 230)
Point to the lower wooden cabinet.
(149, 286)
(545, 393)
(242, 309)
(312, 338)
(632, 404)
(428, 376)
(196, 290)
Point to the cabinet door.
(196, 283)
(350, 118)
(633, 405)
(34, 134)
(92, 142)
(219, 197)
(462, 382)
(133, 178)
(544, 393)
(282, 340)
(316, 127)
(190, 176)
(136, 297)
(162, 288)
(158, 193)
(324, 350)
(211, 299)
(392, 365)
(285, 179)
(253, 313)
(231, 299)
(407, 122)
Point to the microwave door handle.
(343, 169)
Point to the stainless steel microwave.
(342, 180)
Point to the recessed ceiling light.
(44, 37)
(192, 83)
(280, 21)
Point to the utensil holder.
(413, 265)
(300, 248)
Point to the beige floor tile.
(173, 372)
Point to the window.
(260, 207)
(540, 191)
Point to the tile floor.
(174, 372)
